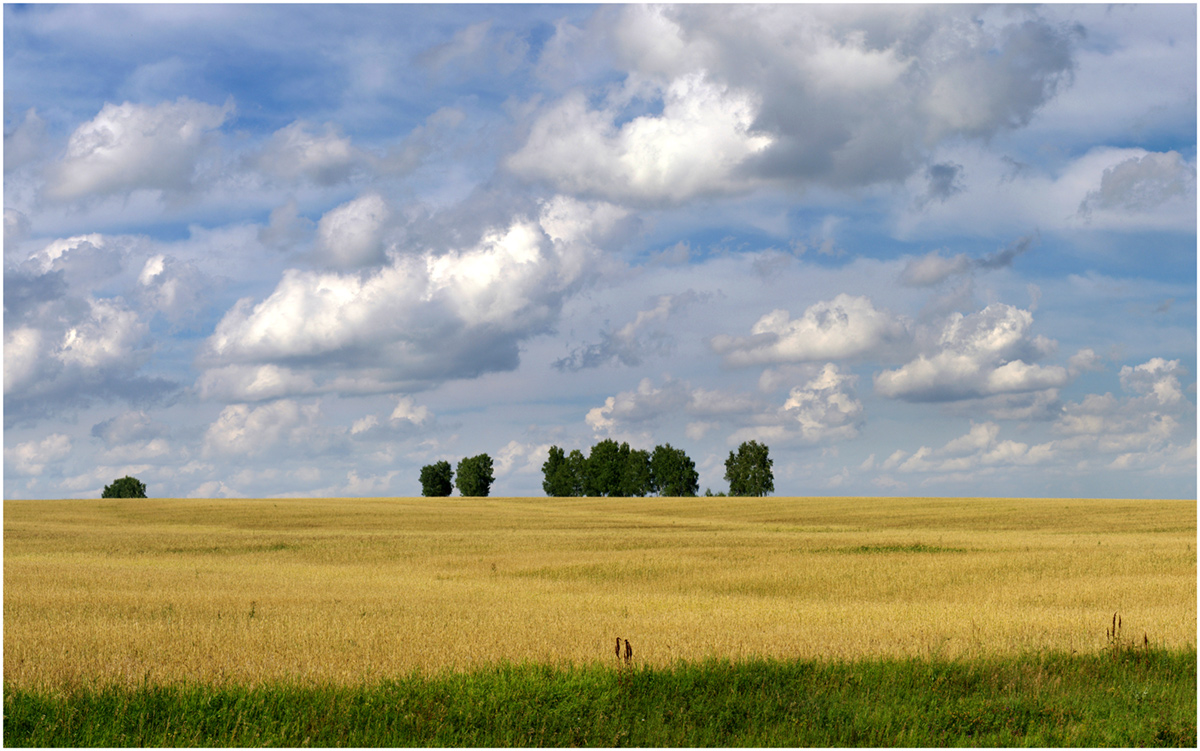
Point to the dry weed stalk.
(1116, 646)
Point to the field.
(235, 622)
(241, 592)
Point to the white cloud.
(104, 339)
(1100, 432)
(844, 327)
(645, 403)
(693, 148)
(253, 383)
(293, 152)
(131, 146)
(22, 357)
(30, 458)
(825, 406)
(1156, 377)
(407, 410)
(1106, 188)
(244, 431)
(1142, 184)
(975, 356)
(822, 408)
(851, 96)
(423, 317)
(351, 235)
(518, 457)
(932, 268)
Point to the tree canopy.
(674, 472)
(749, 471)
(436, 479)
(126, 487)
(616, 470)
(475, 476)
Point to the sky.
(305, 250)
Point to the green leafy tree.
(674, 473)
(475, 476)
(554, 473)
(749, 472)
(126, 487)
(563, 474)
(436, 479)
(605, 466)
(576, 472)
(636, 479)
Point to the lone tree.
(674, 473)
(475, 476)
(749, 472)
(126, 487)
(436, 479)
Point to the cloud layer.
(304, 250)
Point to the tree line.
(609, 469)
(612, 469)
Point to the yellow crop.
(347, 590)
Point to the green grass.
(1133, 697)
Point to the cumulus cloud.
(693, 148)
(131, 146)
(351, 235)
(1151, 429)
(407, 410)
(422, 318)
(295, 151)
(846, 326)
(980, 451)
(176, 289)
(95, 353)
(888, 82)
(821, 408)
(241, 430)
(640, 405)
(1143, 184)
(31, 457)
(985, 353)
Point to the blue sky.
(304, 250)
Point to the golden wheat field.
(352, 590)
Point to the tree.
(126, 487)
(749, 472)
(674, 473)
(436, 479)
(576, 472)
(564, 475)
(554, 472)
(605, 466)
(636, 478)
(475, 476)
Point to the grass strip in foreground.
(1133, 698)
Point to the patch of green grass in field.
(1130, 697)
